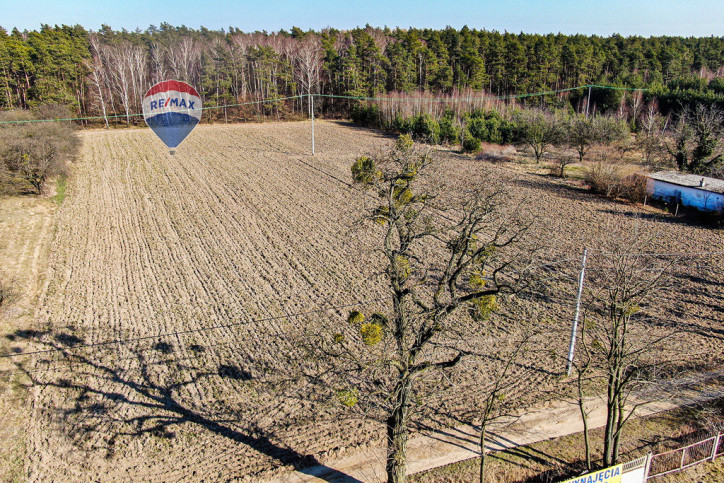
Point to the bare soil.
(25, 239)
(220, 245)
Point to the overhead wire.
(163, 335)
(118, 116)
(189, 331)
(363, 98)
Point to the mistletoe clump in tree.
(444, 257)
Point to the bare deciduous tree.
(308, 62)
(445, 272)
(558, 167)
(697, 140)
(620, 342)
(122, 61)
(34, 152)
(184, 60)
(97, 74)
(503, 379)
(539, 130)
(650, 137)
(582, 133)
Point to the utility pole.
(588, 103)
(311, 108)
(574, 329)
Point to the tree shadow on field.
(508, 448)
(269, 150)
(561, 190)
(378, 133)
(655, 217)
(100, 392)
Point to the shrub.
(633, 188)
(471, 144)
(604, 178)
(449, 132)
(34, 152)
(478, 128)
(53, 111)
(490, 127)
(608, 180)
(6, 180)
(366, 115)
(507, 131)
(426, 128)
(402, 125)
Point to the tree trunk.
(397, 432)
(586, 437)
(482, 448)
(612, 407)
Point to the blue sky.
(603, 17)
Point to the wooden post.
(716, 446)
(647, 467)
(683, 457)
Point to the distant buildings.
(700, 192)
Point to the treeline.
(471, 123)
(105, 73)
(690, 139)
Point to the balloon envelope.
(172, 109)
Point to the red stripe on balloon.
(172, 85)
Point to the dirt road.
(440, 448)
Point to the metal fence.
(678, 459)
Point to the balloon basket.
(171, 152)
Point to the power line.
(189, 331)
(472, 98)
(655, 254)
(210, 328)
(116, 116)
(321, 309)
(377, 99)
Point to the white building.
(705, 194)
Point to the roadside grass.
(561, 458)
(60, 188)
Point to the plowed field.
(223, 246)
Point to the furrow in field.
(243, 226)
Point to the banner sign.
(608, 475)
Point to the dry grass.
(243, 226)
(561, 458)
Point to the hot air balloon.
(172, 109)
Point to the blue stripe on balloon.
(172, 127)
